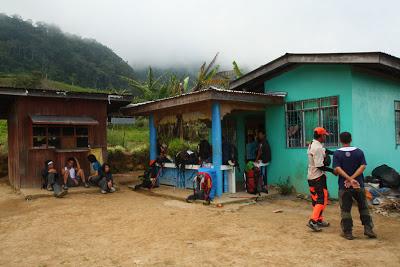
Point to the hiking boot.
(65, 187)
(103, 191)
(314, 226)
(348, 235)
(112, 189)
(323, 224)
(369, 232)
(61, 194)
(86, 185)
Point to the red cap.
(321, 131)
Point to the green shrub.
(176, 145)
(141, 156)
(141, 122)
(3, 136)
(284, 187)
(127, 136)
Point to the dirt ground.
(129, 228)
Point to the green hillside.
(27, 48)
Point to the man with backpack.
(317, 178)
(349, 163)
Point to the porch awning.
(200, 101)
(63, 120)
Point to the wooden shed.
(53, 125)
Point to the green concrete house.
(355, 92)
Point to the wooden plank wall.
(25, 163)
(13, 149)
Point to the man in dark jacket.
(263, 155)
(349, 163)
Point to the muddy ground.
(129, 228)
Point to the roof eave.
(199, 97)
(11, 91)
(322, 58)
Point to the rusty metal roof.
(197, 97)
(63, 120)
(9, 94)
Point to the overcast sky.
(252, 32)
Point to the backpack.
(150, 176)
(202, 184)
(387, 176)
(204, 150)
(184, 158)
(253, 178)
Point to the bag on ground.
(253, 178)
(202, 184)
(387, 176)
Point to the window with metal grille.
(58, 136)
(397, 120)
(303, 116)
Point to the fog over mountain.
(185, 33)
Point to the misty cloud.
(178, 32)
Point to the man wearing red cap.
(317, 178)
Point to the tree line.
(27, 47)
(38, 52)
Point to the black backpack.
(204, 150)
(185, 158)
(150, 173)
(387, 176)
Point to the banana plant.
(206, 74)
(236, 69)
(151, 89)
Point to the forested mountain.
(27, 48)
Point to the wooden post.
(217, 145)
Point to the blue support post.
(217, 145)
(153, 138)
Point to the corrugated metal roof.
(14, 91)
(63, 120)
(211, 88)
(195, 100)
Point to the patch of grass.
(3, 137)
(130, 138)
(26, 80)
(284, 187)
(49, 84)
